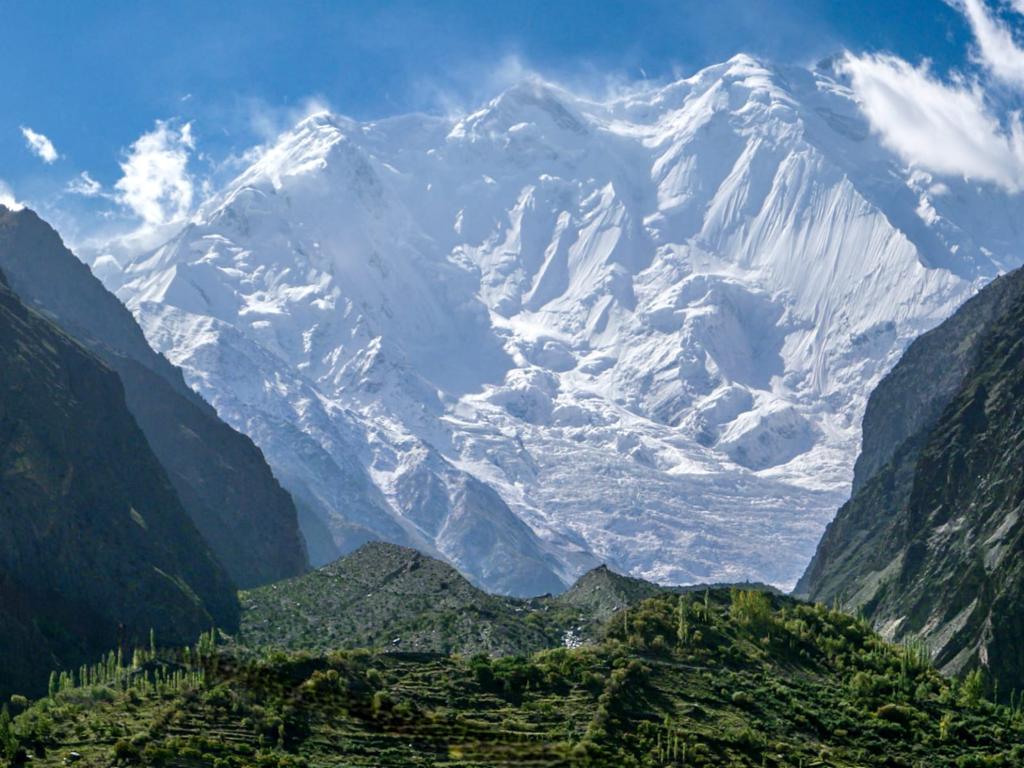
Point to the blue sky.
(93, 77)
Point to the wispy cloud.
(268, 122)
(84, 185)
(945, 128)
(950, 127)
(468, 87)
(264, 123)
(156, 184)
(40, 145)
(998, 52)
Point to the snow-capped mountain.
(558, 331)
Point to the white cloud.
(7, 198)
(953, 127)
(998, 51)
(156, 184)
(84, 185)
(40, 145)
(945, 128)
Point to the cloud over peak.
(156, 184)
(7, 198)
(945, 128)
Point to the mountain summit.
(557, 331)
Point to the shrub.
(742, 699)
(973, 689)
(896, 713)
(126, 753)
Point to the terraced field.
(720, 678)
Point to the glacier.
(560, 331)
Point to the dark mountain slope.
(96, 548)
(917, 390)
(931, 545)
(221, 477)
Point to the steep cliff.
(96, 549)
(930, 544)
(220, 476)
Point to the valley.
(555, 385)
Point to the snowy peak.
(559, 331)
(531, 109)
(302, 150)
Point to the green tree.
(973, 689)
(751, 608)
(8, 744)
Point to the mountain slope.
(913, 395)
(601, 593)
(557, 331)
(219, 475)
(929, 546)
(97, 549)
(384, 596)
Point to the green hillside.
(715, 678)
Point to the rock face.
(556, 331)
(96, 549)
(220, 476)
(930, 545)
